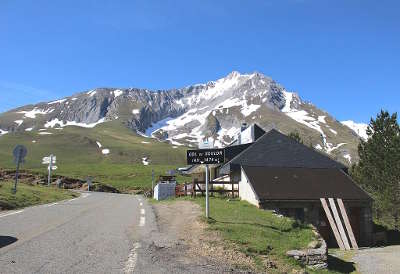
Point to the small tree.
(296, 136)
(378, 170)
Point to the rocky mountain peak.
(185, 116)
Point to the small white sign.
(48, 158)
(48, 162)
(53, 167)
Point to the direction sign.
(205, 156)
(52, 167)
(46, 160)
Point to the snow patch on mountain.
(32, 113)
(347, 157)
(321, 119)
(57, 102)
(105, 151)
(359, 128)
(145, 161)
(99, 144)
(117, 93)
(55, 121)
(19, 122)
(3, 132)
(156, 126)
(91, 93)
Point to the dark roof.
(302, 184)
(233, 151)
(275, 149)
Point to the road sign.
(205, 156)
(50, 160)
(19, 154)
(46, 160)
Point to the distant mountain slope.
(109, 152)
(185, 116)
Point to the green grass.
(258, 232)
(28, 195)
(78, 155)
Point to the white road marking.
(141, 204)
(142, 211)
(132, 259)
(52, 204)
(11, 213)
(142, 221)
(84, 195)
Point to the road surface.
(95, 233)
(382, 260)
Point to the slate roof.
(274, 183)
(275, 149)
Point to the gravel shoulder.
(383, 260)
(182, 244)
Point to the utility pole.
(207, 194)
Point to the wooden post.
(233, 191)
(332, 223)
(347, 224)
(339, 223)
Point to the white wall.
(246, 191)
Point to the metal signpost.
(152, 182)
(206, 156)
(20, 153)
(50, 160)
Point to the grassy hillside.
(79, 156)
(28, 195)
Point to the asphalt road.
(95, 233)
(382, 260)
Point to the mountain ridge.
(185, 116)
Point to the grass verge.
(259, 234)
(28, 195)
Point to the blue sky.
(344, 56)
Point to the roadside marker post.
(19, 154)
(89, 181)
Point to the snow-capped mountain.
(187, 115)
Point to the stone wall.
(315, 256)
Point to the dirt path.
(384, 260)
(182, 242)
